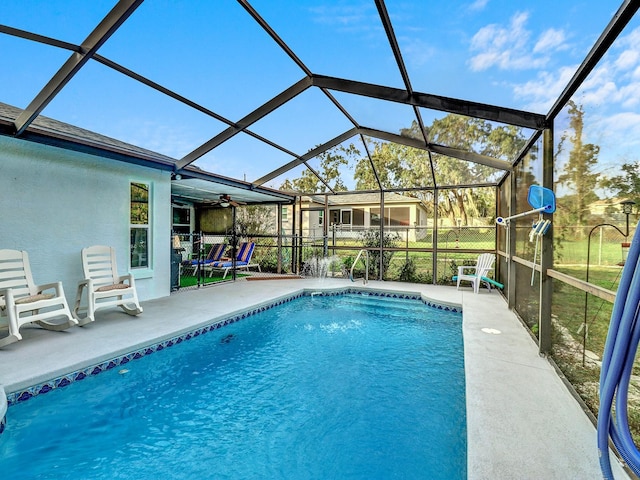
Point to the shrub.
(371, 241)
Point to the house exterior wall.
(55, 202)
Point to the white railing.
(365, 280)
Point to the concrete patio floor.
(522, 421)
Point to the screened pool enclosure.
(321, 130)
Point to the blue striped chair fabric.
(214, 255)
(242, 258)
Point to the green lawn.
(568, 307)
(576, 251)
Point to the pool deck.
(522, 421)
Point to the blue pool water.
(335, 387)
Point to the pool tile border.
(67, 379)
(391, 294)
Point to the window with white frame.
(140, 217)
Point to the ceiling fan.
(226, 201)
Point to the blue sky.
(513, 54)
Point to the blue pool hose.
(617, 364)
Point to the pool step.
(368, 302)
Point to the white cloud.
(511, 48)
(630, 95)
(550, 39)
(604, 92)
(541, 92)
(627, 59)
(478, 5)
(417, 52)
(349, 17)
(625, 127)
(614, 84)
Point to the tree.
(577, 173)
(388, 161)
(331, 162)
(401, 166)
(475, 135)
(254, 220)
(626, 185)
(371, 241)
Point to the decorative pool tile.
(68, 379)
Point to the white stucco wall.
(54, 202)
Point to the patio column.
(294, 241)
(546, 259)
(434, 239)
(279, 206)
(381, 262)
(325, 226)
(511, 243)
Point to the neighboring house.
(607, 207)
(65, 188)
(352, 213)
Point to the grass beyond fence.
(579, 336)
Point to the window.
(182, 220)
(285, 213)
(181, 215)
(399, 216)
(340, 217)
(393, 216)
(139, 225)
(374, 219)
(357, 217)
(320, 217)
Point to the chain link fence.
(407, 254)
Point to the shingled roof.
(65, 132)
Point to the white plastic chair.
(22, 301)
(481, 269)
(105, 288)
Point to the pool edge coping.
(3, 409)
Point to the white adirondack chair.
(481, 269)
(105, 288)
(22, 301)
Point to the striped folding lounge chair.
(215, 255)
(243, 260)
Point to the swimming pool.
(345, 386)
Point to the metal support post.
(546, 259)
(434, 239)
